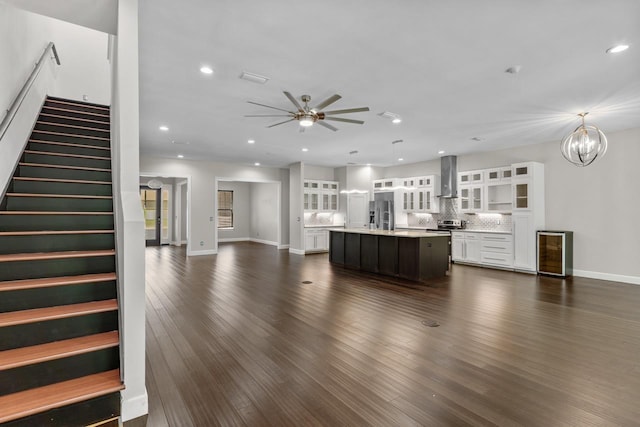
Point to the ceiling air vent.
(255, 78)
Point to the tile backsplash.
(448, 210)
(323, 218)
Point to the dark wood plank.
(238, 339)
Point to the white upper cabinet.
(320, 195)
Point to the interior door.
(358, 210)
(151, 206)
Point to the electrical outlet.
(211, 219)
(201, 243)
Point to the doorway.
(152, 208)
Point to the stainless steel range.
(451, 224)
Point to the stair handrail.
(17, 102)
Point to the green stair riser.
(24, 299)
(43, 172)
(71, 130)
(52, 187)
(63, 119)
(74, 114)
(17, 270)
(55, 222)
(75, 107)
(53, 371)
(55, 243)
(70, 139)
(36, 333)
(84, 413)
(58, 204)
(66, 161)
(53, 148)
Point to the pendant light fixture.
(584, 145)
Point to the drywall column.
(129, 219)
(296, 227)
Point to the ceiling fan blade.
(327, 125)
(339, 119)
(269, 106)
(348, 110)
(268, 115)
(330, 100)
(281, 123)
(293, 101)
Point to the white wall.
(241, 210)
(318, 172)
(84, 66)
(264, 212)
(203, 176)
(597, 203)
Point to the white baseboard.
(133, 407)
(635, 280)
(264, 242)
(283, 246)
(234, 239)
(203, 252)
(296, 251)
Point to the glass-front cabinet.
(320, 195)
(471, 198)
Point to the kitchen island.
(409, 254)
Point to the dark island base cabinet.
(410, 258)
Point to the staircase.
(59, 342)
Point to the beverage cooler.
(555, 253)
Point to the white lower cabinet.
(524, 235)
(490, 249)
(316, 240)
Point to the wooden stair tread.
(58, 196)
(64, 125)
(46, 282)
(66, 110)
(77, 103)
(53, 232)
(34, 315)
(71, 135)
(30, 402)
(45, 165)
(69, 181)
(79, 156)
(72, 118)
(54, 213)
(70, 144)
(23, 356)
(36, 256)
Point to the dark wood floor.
(239, 339)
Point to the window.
(225, 209)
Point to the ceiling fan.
(307, 116)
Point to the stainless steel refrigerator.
(382, 208)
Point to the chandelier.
(584, 145)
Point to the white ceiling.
(438, 64)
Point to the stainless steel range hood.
(449, 177)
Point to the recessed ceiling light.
(441, 152)
(163, 128)
(305, 149)
(396, 120)
(206, 70)
(180, 156)
(251, 141)
(400, 159)
(617, 49)
(368, 164)
(257, 164)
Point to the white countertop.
(397, 233)
(323, 226)
(482, 231)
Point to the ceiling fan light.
(306, 121)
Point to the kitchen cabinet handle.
(495, 247)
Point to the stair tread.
(35, 256)
(23, 356)
(79, 156)
(77, 103)
(52, 232)
(70, 181)
(54, 213)
(29, 402)
(13, 285)
(64, 125)
(71, 135)
(58, 196)
(70, 144)
(72, 118)
(34, 315)
(45, 165)
(49, 107)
